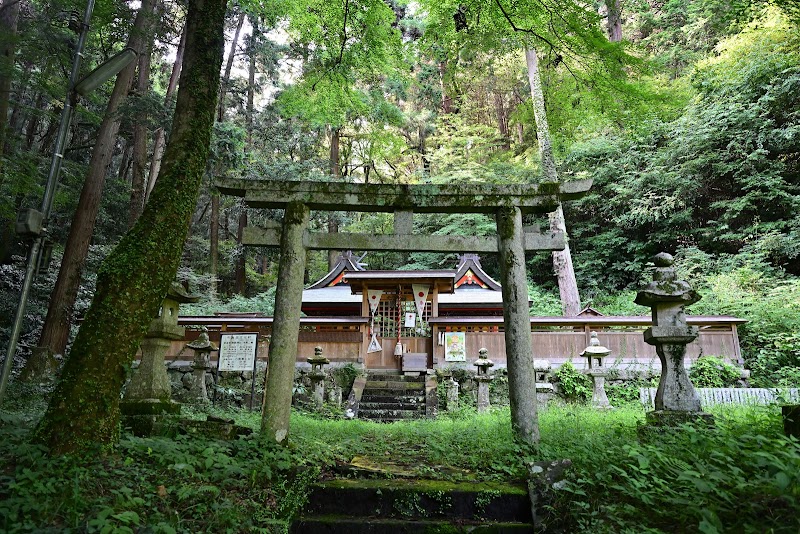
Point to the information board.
(237, 352)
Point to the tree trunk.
(240, 271)
(228, 67)
(336, 174)
(138, 178)
(213, 237)
(160, 135)
(55, 332)
(614, 20)
(137, 274)
(501, 112)
(125, 163)
(562, 259)
(9, 15)
(33, 123)
(447, 100)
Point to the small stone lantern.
(202, 348)
(676, 399)
(317, 375)
(595, 353)
(483, 363)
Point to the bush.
(713, 372)
(573, 385)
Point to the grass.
(743, 475)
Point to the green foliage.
(691, 480)
(713, 372)
(189, 484)
(573, 385)
(769, 340)
(344, 376)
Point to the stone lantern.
(598, 370)
(676, 399)
(202, 348)
(483, 363)
(451, 387)
(148, 395)
(317, 375)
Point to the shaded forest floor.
(743, 475)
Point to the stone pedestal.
(483, 363)
(202, 348)
(676, 399)
(483, 393)
(451, 388)
(317, 376)
(596, 355)
(150, 379)
(147, 406)
(599, 397)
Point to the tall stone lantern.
(483, 363)
(148, 395)
(317, 375)
(598, 370)
(676, 399)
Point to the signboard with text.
(237, 352)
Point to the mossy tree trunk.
(135, 277)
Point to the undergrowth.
(741, 475)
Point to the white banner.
(420, 296)
(374, 345)
(411, 320)
(374, 297)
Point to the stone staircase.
(391, 396)
(354, 506)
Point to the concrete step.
(419, 500)
(371, 525)
(395, 377)
(385, 384)
(391, 415)
(405, 399)
(415, 405)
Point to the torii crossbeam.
(507, 202)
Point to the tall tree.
(9, 15)
(159, 137)
(562, 259)
(135, 277)
(55, 332)
(138, 176)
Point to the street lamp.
(32, 223)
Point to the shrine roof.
(332, 294)
(346, 263)
(443, 280)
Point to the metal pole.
(47, 201)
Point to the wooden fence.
(743, 396)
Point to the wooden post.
(519, 351)
(286, 326)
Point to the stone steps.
(391, 396)
(415, 506)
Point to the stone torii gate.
(507, 202)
